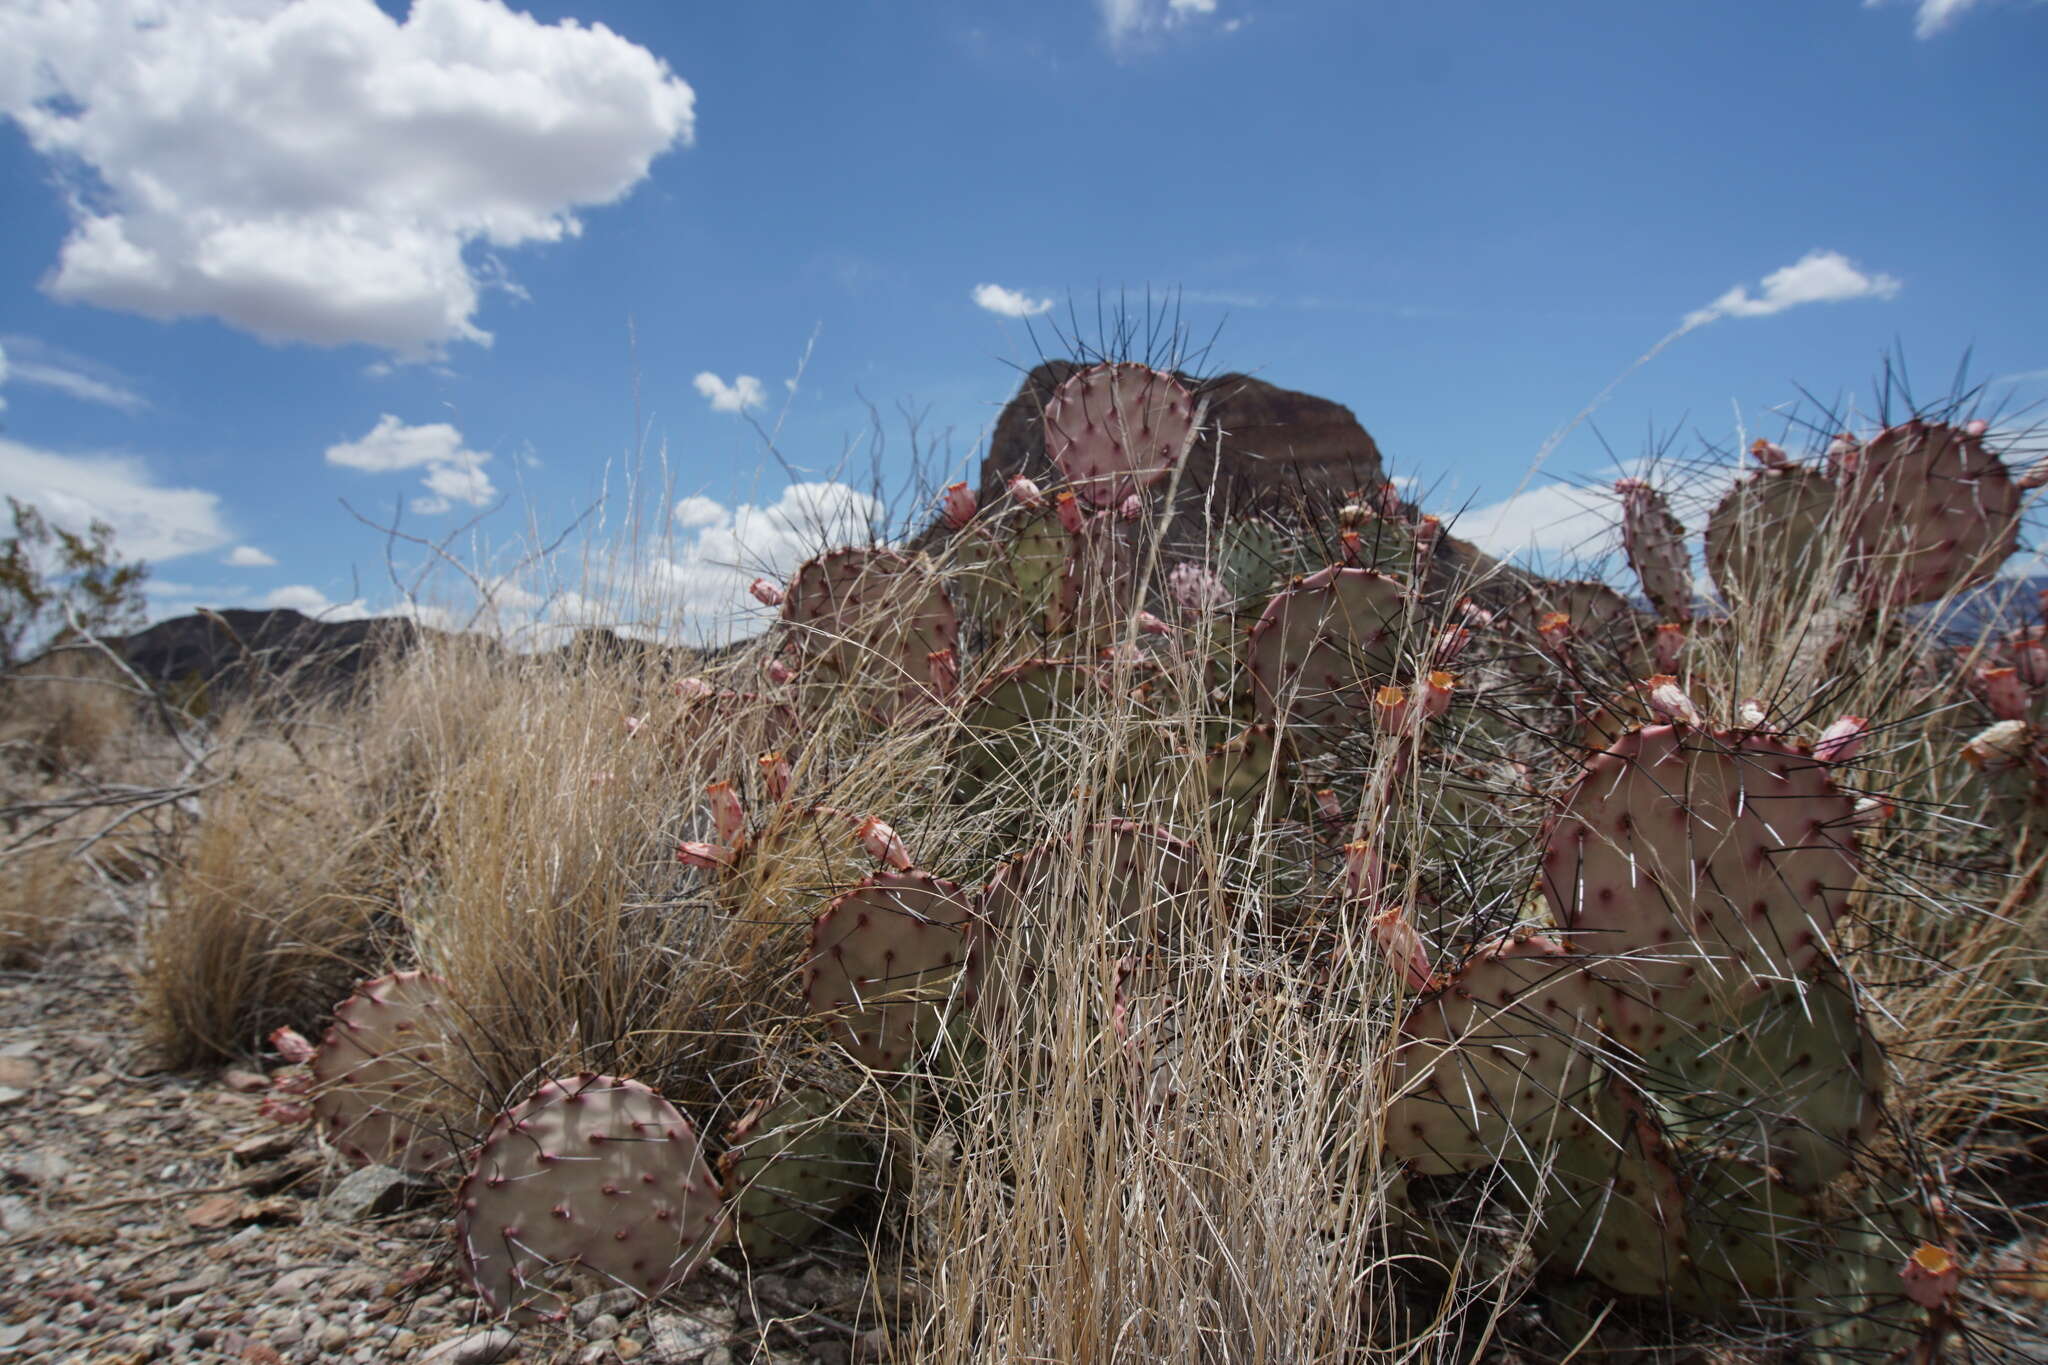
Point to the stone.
(265, 1146)
(673, 1339)
(17, 1215)
(19, 1073)
(214, 1212)
(43, 1167)
(477, 1348)
(244, 1082)
(369, 1193)
(613, 1302)
(11, 1095)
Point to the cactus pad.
(1117, 429)
(1768, 530)
(378, 1074)
(594, 1177)
(1012, 725)
(789, 1170)
(886, 957)
(1932, 512)
(871, 618)
(1654, 541)
(1322, 646)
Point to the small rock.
(41, 1167)
(615, 1302)
(19, 1072)
(215, 1211)
(673, 1339)
(16, 1215)
(294, 1283)
(265, 1146)
(334, 1336)
(370, 1192)
(11, 1095)
(603, 1327)
(627, 1348)
(244, 1082)
(256, 1353)
(478, 1348)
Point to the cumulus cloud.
(1554, 521)
(1127, 21)
(696, 511)
(315, 603)
(1930, 16)
(453, 474)
(248, 557)
(151, 520)
(1816, 277)
(1010, 303)
(26, 360)
(744, 392)
(316, 170)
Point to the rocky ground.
(160, 1217)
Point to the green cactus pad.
(1117, 429)
(1012, 573)
(885, 961)
(1495, 1065)
(1099, 588)
(1239, 773)
(870, 619)
(1768, 531)
(377, 1077)
(1322, 646)
(593, 1182)
(789, 1170)
(1012, 727)
(1703, 867)
(1654, 541)
(1611, 1205)
(1932, 511)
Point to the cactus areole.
(592, 1177)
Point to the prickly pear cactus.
(377, 1076)
(789, 1170)
(1931, 510)
(885, 961)
(1010, 574)
(1018, 729)
(592, 1182)
(1767, 531)
(873, 621)
(1654, 541)
(1116, 429)
(1323, 646)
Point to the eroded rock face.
(1278, 446)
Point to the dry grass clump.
(68, 708)
(43, 894)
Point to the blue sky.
(455, 259)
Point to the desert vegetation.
(1281, 935)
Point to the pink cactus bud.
(945, 669)
(1402, 945)
(1152, 625)
(1071, 514)
(1768, 455)
(1365, 874)
(2000, 746)
(1328, 807)
(766, 593)
(300, 1083)
(289, 1113)
(694, 689)
(1196, 589)
(705, 857)
(1391, 710)
(1668, 646)
(728, 816)
(291, 1045)
(2035, 475)
(1750, 715)
(1668, 700)
(1352, 546)
(1390, 500)
(1427, 530)
(2002, 692)
(1353, 514)
(1845, 455)
(882, 844)
(633, 724)
(1931, 1277)
(778, 672)
(1450, 643)
(776, 775)
(1976, 426)
(1027, 492)
(1870, 812)
(1475, 616)
(1436, 693)
(1840, 742)
(1555, 630)
(2030, 661)
(1131, 508)
(957, 505)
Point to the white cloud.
(3, 377)
(1817, 277)
(1555, 521)
(1931, 16)
(151, 521)
(1010, 303)
(29, 361)
(697, 511)
(744, 392)
(313, 602)
(315, 170)
(1127, 21)
(453, 474)
(248, 557)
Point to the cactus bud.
(1196, 589)
(1555, 630)
(289, 1113)
(1072, 517)
(2003, 745)
(776, 775)
(2002, 692)
(1845, 454)
(1840, 741)
(1328, 807)
(1976, 426)
(1402, 946)
(1768, 455)
(1750, 715)
(1152, 625)
(705, 857)
(1669, 701)
(1427, 530)
(945, 672)
(778, 672)
(693, 689)
(728, 816)
(882, 844)
(1349, 541)
(1668, 646)
(1436, 693)
(1931, 1277)
(1476, 616)
(1390, 707)
(1353, 515)
(957, 505)
(1131, 508)
(1450, 644)
(1364, 872)
(766, 593)
(291, 1045)
(1027, 492)
(2030, 661)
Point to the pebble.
(478, 1348)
